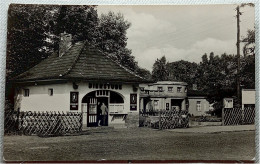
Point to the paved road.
(133, 144)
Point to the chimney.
(65, 43)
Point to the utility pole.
(238, 55)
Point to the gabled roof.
(80, 62)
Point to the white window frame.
(160, 88)
(170, 90)
(179, 89)
(198, 106)
(102, 93)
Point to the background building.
(163, 95)
(248, 98)
(198, 103)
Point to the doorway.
(176, 104)
(93, 102)
(92, 106)
(102, 111)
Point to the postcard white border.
(3, 33)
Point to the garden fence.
(42, 123)
(238, 116)
(166, 119)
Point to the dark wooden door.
(92, 119)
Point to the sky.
(181, 32)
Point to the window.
(142, 89)
(170, 89)
(102, 93)
(160, 88)
(185, 90)
(26, 92)
(50, 91)
(198, 105)
(178, 89)
(155, 102)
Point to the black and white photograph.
(130, 83)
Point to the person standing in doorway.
(104, 113)
(99, 114)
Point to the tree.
(112, 39)
(160, 72)
(144, 73)
(26, 43)
(80, 21)
(248, 72)
(34, 30)
(182, 71)
(249, 40)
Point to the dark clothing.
(99, 112)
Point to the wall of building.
(248, 96)
(161, 103)
(164, 96)
(193, 106)
(173, 93)
(40, 100)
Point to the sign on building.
(133, 101)
(228, 102)
(167, 106)
(74, 99)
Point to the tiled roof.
(170, 83)
(82, 62)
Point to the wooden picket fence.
(43, 123)
(238, 116)
(171, 119)
(166, 119)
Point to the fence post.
(243, 115)
(17, 121)
(160, 124)
(81, 122)
(222, 115)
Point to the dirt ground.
(132, 144)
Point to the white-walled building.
(198, 103)
(248, 98)
(78, 79)
(163, 95)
